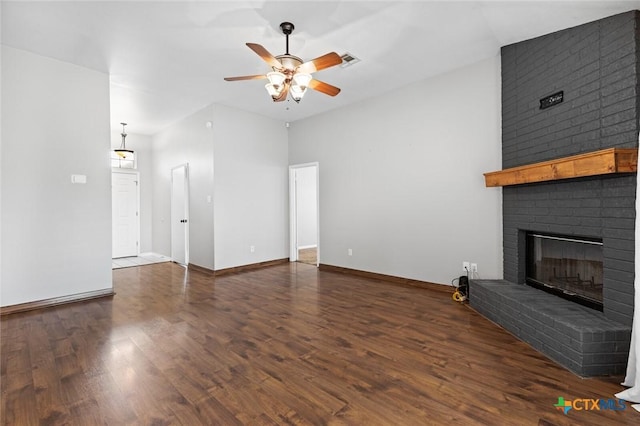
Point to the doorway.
(304, 213)
(180, 214)
(125, 220)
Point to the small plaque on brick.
(552, 100)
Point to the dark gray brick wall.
(596, 65)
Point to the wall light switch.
(78, 179)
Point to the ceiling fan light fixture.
(302, 80)
(276, 79)
(273, 91)
(299, 85)
(297, 92)
(276, 84)
(290, 74)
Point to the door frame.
(186, 212)
(137, 175)
(293, 211)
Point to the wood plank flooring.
(308, 256)
(288, 344)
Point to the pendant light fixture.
(122, 157)
(123, 152)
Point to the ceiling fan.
(290, 74)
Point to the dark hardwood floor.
(288, 344)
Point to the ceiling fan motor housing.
(289, 62)
(287, 28)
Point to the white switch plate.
(78, 179)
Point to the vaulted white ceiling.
(168, 59)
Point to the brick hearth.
(579, 338)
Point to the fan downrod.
(287, 28)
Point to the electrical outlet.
(466, 267)
(350, 252)
(252, 249)
(474, 267)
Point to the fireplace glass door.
(567, 266)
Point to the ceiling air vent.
(348, 59)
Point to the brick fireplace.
(596, 67)
(568, 266)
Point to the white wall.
(187, 141)
(251, 188)
(401, 179)
(141, 144)
(306, 206)
(56, 236)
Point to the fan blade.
(323, 87)
(320, 63)
(284, 93)
(265, 55)
(246, 77)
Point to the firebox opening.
(567, 266)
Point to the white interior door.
(180, 214)
(124, 214)
(304, 209)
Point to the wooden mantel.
(606, 161)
